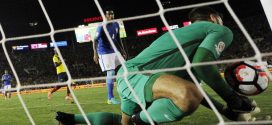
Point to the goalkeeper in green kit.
(170, 96)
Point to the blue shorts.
(62, 77)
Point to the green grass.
(93, 100)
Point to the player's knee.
(195, 98)
(189, 97)
(195, 93)
(110, 73)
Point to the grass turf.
(93, 100)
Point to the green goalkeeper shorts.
(141, 83)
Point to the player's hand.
(241, 104)
(249, 116)
(95, 58)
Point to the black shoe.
(65, 118)
(231, 115)
(136, 120)
(237, 116)
(241, 104)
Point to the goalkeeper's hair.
(202, 13)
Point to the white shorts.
(6, 87)
(108, 61)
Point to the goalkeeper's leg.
(96, 118)
(172, 99)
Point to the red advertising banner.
(93, 19)
(38, 46)
(147, 31)
(171, 27)
(186, 23)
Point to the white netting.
(258, 56)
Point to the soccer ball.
(246, 78)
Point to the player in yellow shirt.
(62, 76)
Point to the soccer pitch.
(94, 100)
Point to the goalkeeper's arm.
(210, 73)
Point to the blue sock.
(110, 83)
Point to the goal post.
(267, 4)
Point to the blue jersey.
(6, 78)
(103, 44)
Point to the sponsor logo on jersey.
(219, 47)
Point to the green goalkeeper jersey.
(201, 41)
(163, 52)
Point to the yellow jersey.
(60, 68)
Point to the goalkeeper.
(203, 41)
(170, 96)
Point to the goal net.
(251, 43)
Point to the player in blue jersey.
(105, 55)
(6, 79)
